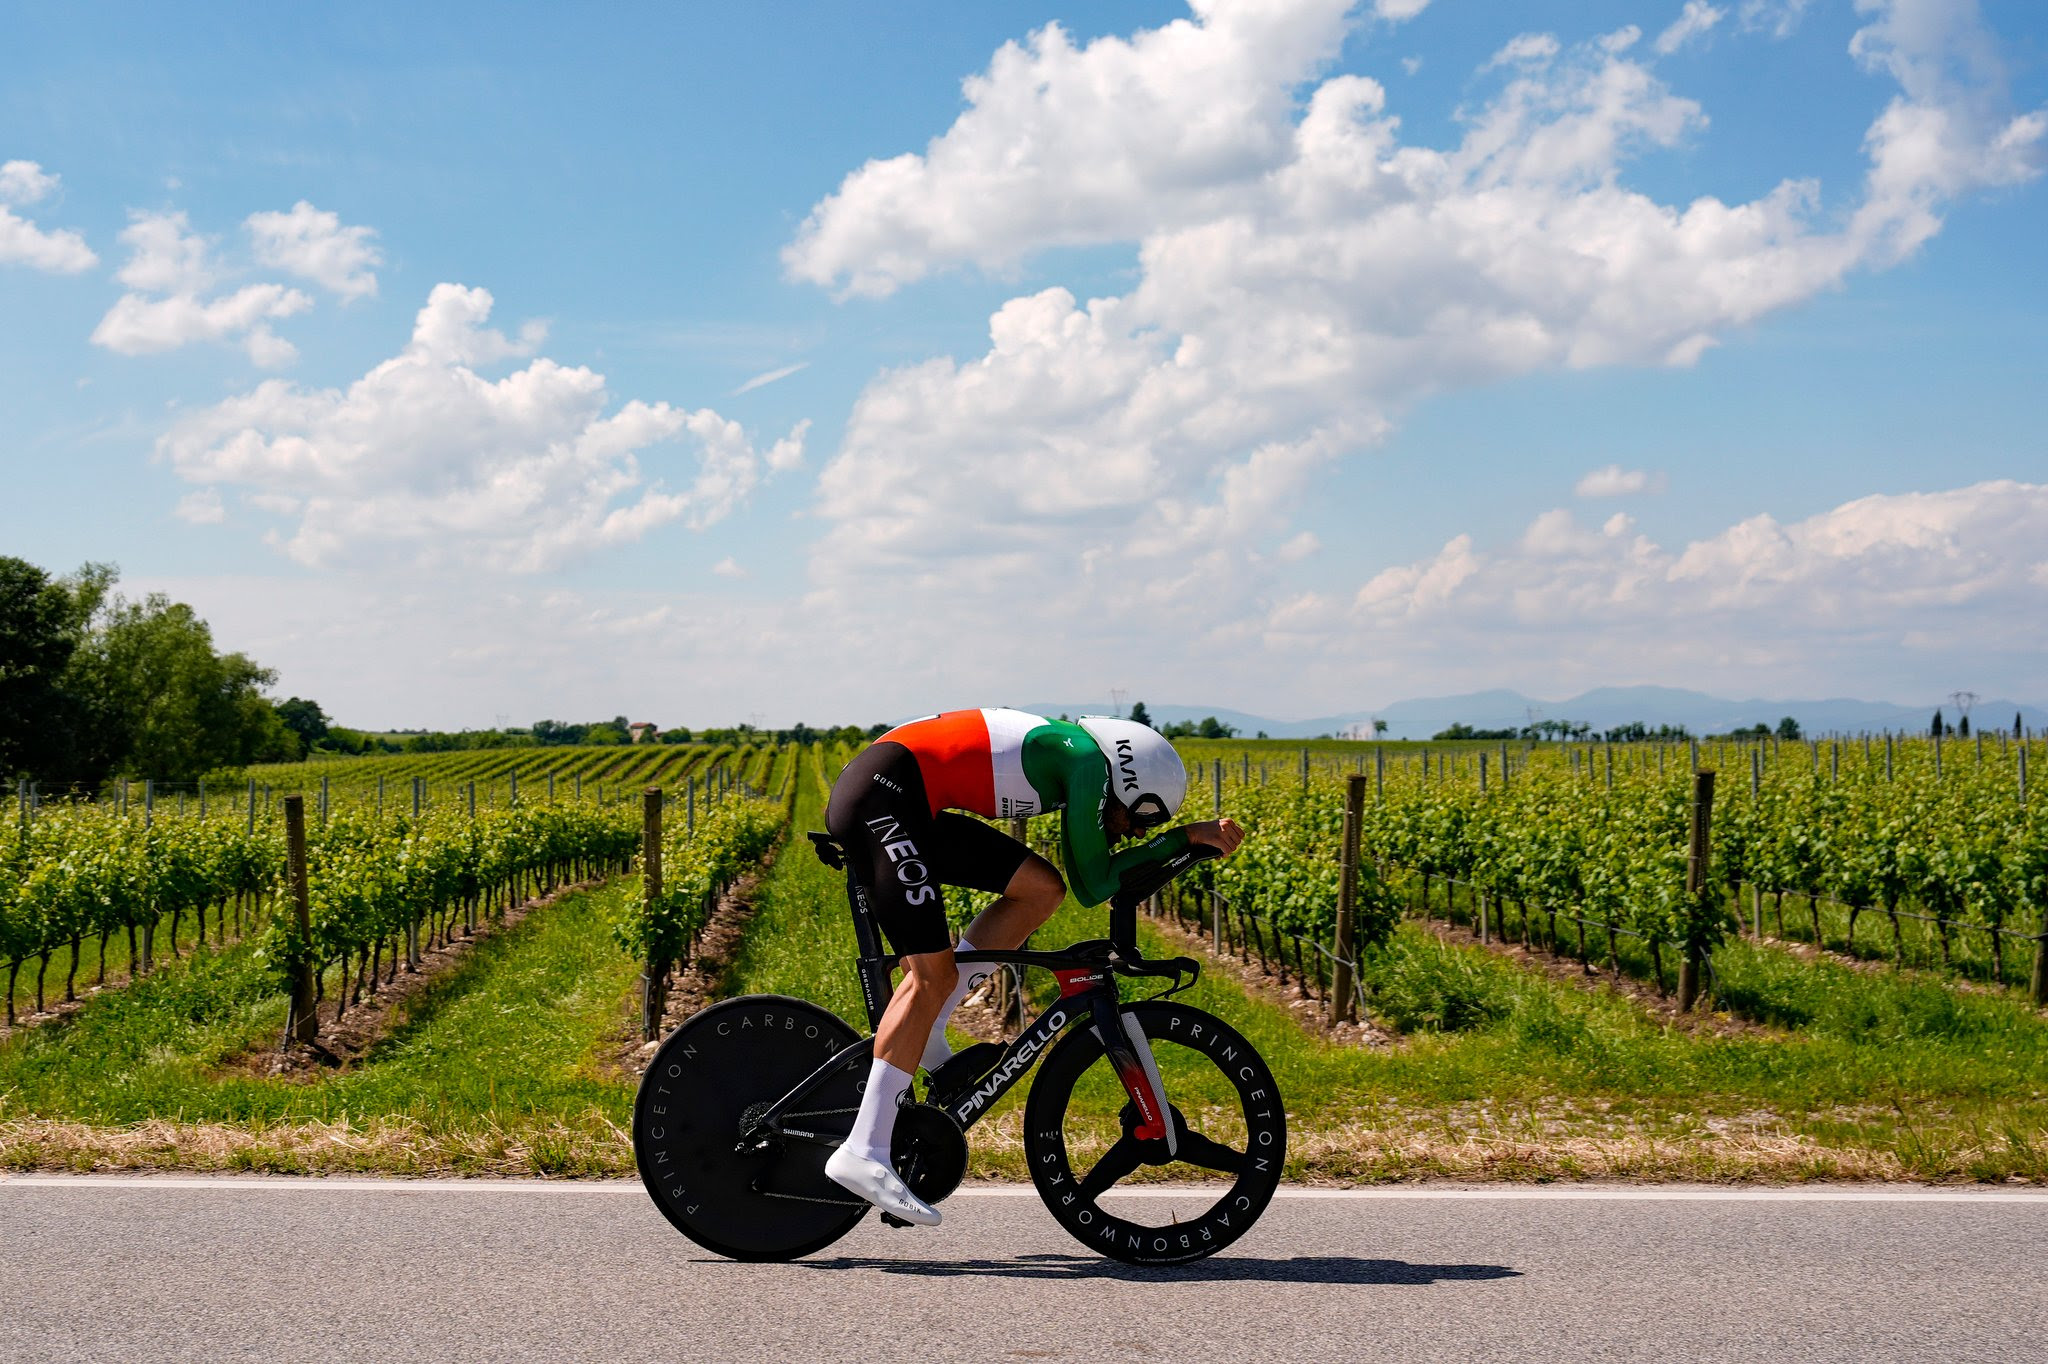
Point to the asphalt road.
(273, 1269)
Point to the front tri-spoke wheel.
(1151, 1201)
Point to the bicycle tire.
(1209, 1068)
(774, 1203)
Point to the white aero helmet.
(1145, 774)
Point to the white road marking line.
(1818, 1193)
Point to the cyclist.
(894, 809)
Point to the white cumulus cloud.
(1066, 144)
(313, 245)
(1895, 589)
(169, 268)
(425, 460)
(56, 251)
(1304, 273)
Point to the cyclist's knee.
(932, 972)
(1037, 883)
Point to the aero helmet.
(1145, 774)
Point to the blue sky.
(1333, 436)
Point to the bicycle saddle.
(829, 850)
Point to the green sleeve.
(1068, 771)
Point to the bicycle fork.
(1129, 1053)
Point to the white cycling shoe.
(879, 1185)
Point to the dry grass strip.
(1348, 1154)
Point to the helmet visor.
(1148, 811)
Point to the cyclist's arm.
(1082, 775)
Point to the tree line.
(95, 685)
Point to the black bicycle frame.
(1087, 974)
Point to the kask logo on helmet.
(1127, 763)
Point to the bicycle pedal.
(890, 1219)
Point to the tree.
(37, 637)
(2019, 726)
(1379, 726)
(1140, 715)
(1938, 727)
(163, 704)
(1788, 730)
(305, 719)
(1963, 727)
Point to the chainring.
(929, 1151)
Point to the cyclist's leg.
(970, 853)
(878, 812)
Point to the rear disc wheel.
(770, 1200)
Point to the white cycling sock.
(936, 1050)
(874, 1127)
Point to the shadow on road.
(1320, 1269)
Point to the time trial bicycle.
(742, 1104)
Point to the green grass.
(117, 957)
(1881, 1007)
(800, 940)
(496, 1065)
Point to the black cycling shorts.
(903, 852)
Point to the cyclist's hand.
(1224, 835)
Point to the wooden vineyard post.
(2039, 986)
(1696, 883)
(653, 974)
(1341, 1002)
(304, 1024)
(1217, 793)
(1756, 890)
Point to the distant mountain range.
(1603, 708)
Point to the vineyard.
(492, 777)
(383, 879)
(1876, 910)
